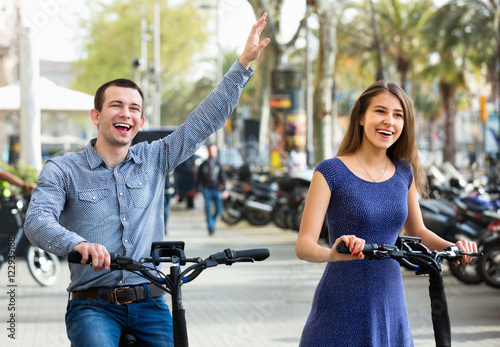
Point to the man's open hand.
(253, 47)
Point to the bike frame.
(413, 255)
(173, 252)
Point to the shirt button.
(93, 198)
(140, 183)
(121, 194)
(126, 241)
(124, 218)
(116, 172)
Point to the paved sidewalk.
(260, 304)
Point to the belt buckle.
(114, 297)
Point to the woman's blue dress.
(361, 303)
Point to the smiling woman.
(369, 194)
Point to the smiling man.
(109, 198)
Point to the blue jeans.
(95, 323)
(212, 196)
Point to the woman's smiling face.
(383, 121)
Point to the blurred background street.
(260, 304)
(291, 115)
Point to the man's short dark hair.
(119, 82)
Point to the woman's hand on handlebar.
(101, 259)
(468, 247)
(355, 245)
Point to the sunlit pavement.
(260, 304)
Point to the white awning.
(51, 96)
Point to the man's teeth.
(122, 125)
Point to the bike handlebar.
(411, 249)
(173, 252)
(228, 257)
(247, 254)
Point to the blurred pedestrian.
(169, 195)
(212, 181)
(185, 181)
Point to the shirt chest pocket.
(94, 204)
(138, 192)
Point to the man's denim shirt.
(79, 198)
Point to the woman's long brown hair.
(405, 148)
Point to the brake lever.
(238, 260)
(125, 263)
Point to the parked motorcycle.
(252, 200)
(287, 212)
(440, 217)
(43, 266)
(489, 264)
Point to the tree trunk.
(447, 92)
(324, 83)
(403, 66)
(381, 73)
(267, 62)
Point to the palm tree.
(481, 22)
(401, 25)
(451, 40)
(391, 46)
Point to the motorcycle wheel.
(230, 215)
(43, 266)
(279, 215)
(297, 219)
(257, 218)
(489, 266)
(466, 273)
(291, 220)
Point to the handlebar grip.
(76, 258)
(368, 250)
(258, 254)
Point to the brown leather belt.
(120, 295)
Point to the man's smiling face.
(121, 116)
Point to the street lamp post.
(309, 104)
(156, 118)
(218, 61)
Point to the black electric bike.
(413, 255)
(173, 252)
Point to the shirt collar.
(95, 160)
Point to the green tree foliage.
(114, 41)
(185, 96)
